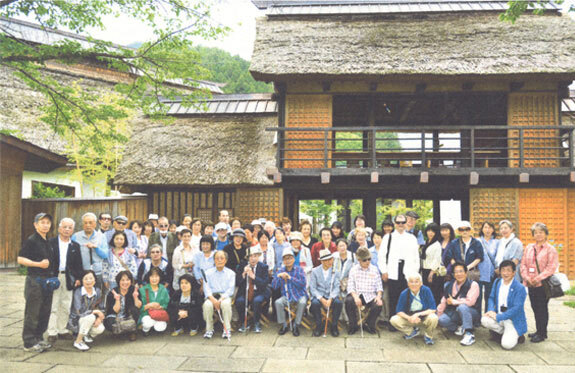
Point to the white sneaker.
(468, 339)
(208, 334)
(459, 331)
(45, 345)
(226, 334)
(35, 348)
(81, 346)
(88, 339)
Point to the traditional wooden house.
(427, 99)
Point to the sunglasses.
(121, 222)
(365, 260)
(464, 229)
(400, 222)
(163, 226)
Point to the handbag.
(472, 274)
(122, 326)
(157, 315)
(48, 284)
(551, 284)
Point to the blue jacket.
(425, 294)
(453, 251)
(515, 305)
(261, 282)
(320, 287)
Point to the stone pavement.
(269, 352)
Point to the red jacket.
(316, 248)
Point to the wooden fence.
(135, 208)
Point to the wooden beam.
(467, 86)
(473, 178)
(373, 86)
(326, 86)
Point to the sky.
(238, 15)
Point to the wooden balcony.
(411, 150)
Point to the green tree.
(40, 190)
(518, 7)
(423, 208)
(170, 56)
(320, 211)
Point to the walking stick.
(246, 308)
(360, 321)
(329, 306)
(219, 313)
(289, 309)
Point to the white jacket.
(403, 246)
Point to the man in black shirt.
(37, 255)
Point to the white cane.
(328, 307)
(246, 310)
(289, 309)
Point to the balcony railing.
(426, 147)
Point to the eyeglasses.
(106, 219)
(163, 226)
(400, 222)
(365, 260)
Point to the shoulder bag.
(472, 274)
(551, 284)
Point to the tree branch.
(4, 3)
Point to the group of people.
(148, 276)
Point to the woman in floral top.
(119, 260)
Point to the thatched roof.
(448, 44)
(201, 150)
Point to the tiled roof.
(254, 103)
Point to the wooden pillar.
(465, 207)
(12, 162)
(370, 210)
(436, 211)
(346, 215)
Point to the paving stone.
(254, 352)
(18, 367)
(152, 362)
(181, 349)
(147, 346)
(290, 341)
(561, 336)
(542, 369)
(422, 356)
(458, 368)
(362, 367)
(222, 365)
(501, 357)
(10, 331)
(338, 353)
(556, 358)
(547, 346)
(567, 345)
(83, 369)
(316, 366)
(15, 354)
(14, 341)
(67, 358)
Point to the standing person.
(270, 227)
(505, 317)
(235, 223)
(268, 253)
(401, 258)
(221, 236)
(324, 289)
(120, 223)
(141, 253)
(196, 228)
(487, 266)
(166, 239)
(153, 218)
(365, 290)
(156, 260)
(251, 240)
(361, 240)
(326, 242)
(387, 227)
(539, 263)
(93, 246)
(343, 261)
(105, 220)
(302, 254)
(415, 310)
(433, 270)
(286, 225)
(173, 226)
(466, 249)
(447, 235)
(509, 248)
(185, 307)
(86, 316)
(306, 230)
(236, 250)
(183, 259)
(279, 244)
(147, 230)
(258, 227)
(38, 257)
(208, 228)
(123, 305)
(68, 268)
(358, 222)
(224, 218)
(337, 231)
(290, 281)
(219, 286)
(204, 260)
(257, 275)
(410, 227)
(187, 221)
(119, 260)
(155, 297)
(460, 307)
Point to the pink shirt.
(548, 260)
(469, 300)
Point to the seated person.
(364, 290)
(219, 286)
(156, 261)
(324, 289)
(460, 308)
(505, 316)
(256, 289)
(85, 314)
(290, 281)
(154, 297)
(123, 306)
(185, 307)
(415, 310)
